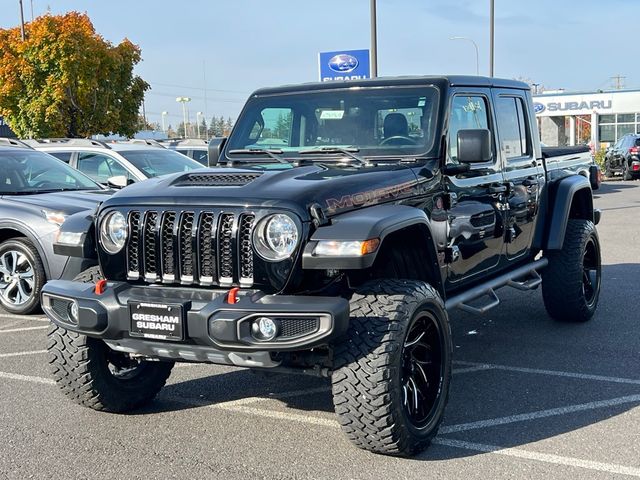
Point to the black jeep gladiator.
(343, 223)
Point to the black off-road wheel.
(94, 376)
(392, 372)
(22, 276)
(571, 282)
(626, 173)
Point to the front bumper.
(215, 331)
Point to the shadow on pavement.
(519, 333)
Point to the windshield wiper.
(272, 152)
(348, 151)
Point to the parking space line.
(555, 373)
(20, 354)
(477, 368)
(24, 317)
(25, 329)
(552, 412)
(27, 378)
(540, 457)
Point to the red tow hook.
(232, 296)
(101, 286)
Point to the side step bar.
(522, 278)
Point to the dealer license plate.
(156, 320)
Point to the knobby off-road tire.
(626, 173)
(392, 372)
(571, 282)
(93, 375)
(22, 276)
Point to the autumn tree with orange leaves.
(65, 80)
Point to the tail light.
(634, 150)
(635, 167)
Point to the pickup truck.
(343, 222)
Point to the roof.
(443, 81)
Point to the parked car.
(624, 157)
(337, 254)
(194, 148)
(38, 192)
(116, 164)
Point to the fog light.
(73, 312)
(264, 328)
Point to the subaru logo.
(538, 107)
(343, 63)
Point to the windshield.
(391, 121)
(155, 162)
(25, 171)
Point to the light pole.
(164, 114)
(183, 101)
(198, 115)
(374, 41)
(474, 46)
(21, 21)
(491, 35)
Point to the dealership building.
(595, 118)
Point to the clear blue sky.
(246, 44)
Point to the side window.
(467, 112)
(512, 127)
(100, 167)
(64, 156)
(201, 156)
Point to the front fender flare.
(81, 222)
(365, 224)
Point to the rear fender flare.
(570, 197)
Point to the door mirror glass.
(474, 146)
(118, 181)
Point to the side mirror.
(117, 181)
(474, 146)
(216, 145)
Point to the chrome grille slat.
(186, 247)
(225, 248)
(149, 242)
(133, 247)
(245, 250)
(167, 246)
(197, 247)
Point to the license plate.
(157, 321)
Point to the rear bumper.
(214, 330)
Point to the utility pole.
(21, 20)
(374, 41)
(491, 35)
(619, 82)
(32, 10)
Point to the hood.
(334, 189)
(66, 202)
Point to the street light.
(475, 46)
(492, 24)
(198, 115)
(374, 41)
(164, 114)
(183, 101)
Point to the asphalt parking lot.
(530, 398)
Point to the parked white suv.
(195, 148)
(116, 164)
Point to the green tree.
(67, 80)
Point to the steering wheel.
(398, 140)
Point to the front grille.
(216, 179)
(191, 247)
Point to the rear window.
(637, 142)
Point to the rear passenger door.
(523, 172)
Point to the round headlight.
(276, 237)
(113, 232)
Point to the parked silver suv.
(116, 164)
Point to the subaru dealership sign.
(343, 65)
